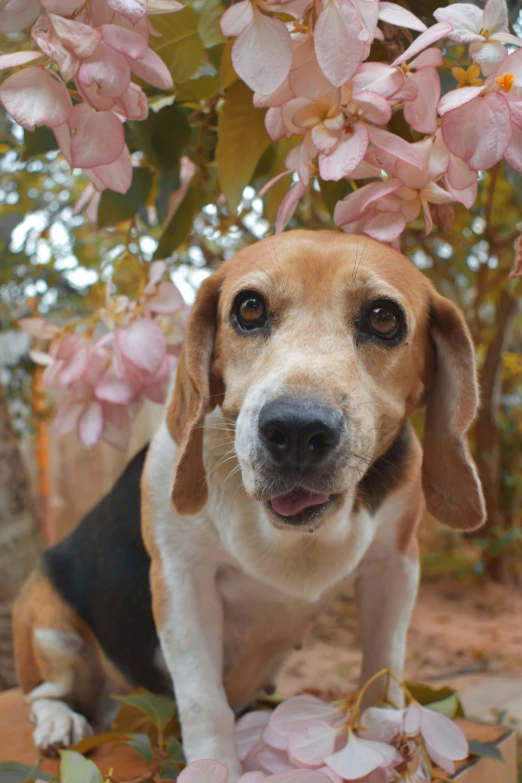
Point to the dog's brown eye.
(250, 311)
(384, 320)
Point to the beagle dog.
(284, 470)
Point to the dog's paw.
(57, 726)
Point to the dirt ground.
(460, 635)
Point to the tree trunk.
(19, 536)
(487, 433)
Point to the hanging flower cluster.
(313, 75)
(86, 52)
(103, 379)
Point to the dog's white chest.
(260, 627)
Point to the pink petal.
(333, 776)
(204, 771)
(126, 42)
(156, 271)
(40, 357)
(444, 735)
(116, 176)
(111, 388)
(360, 757)
(116, 426)
(429, 58)
(466, 196)
(288, 206)
(236, 18)
(435, 194)
(310, 745)
(14, 22)
(153, 70)
(143, 343)
(262, 54)
(394, 145)
(346, 156)
(74, 365)
(38, 327)
(18, 58)
(480, 135)
(513, 154)
(399, 16)
(466, 21)
(300, 776)
(421, 113)
(80, 38)
(97, 137)
(108, 70)
(425, 39)
(441, 761)
(488, 54)
(412, 721)
(33, 97)
(268, 759)
(378, 78)
(375, 108)
(249, 731)
(382, 724)
(274, 739)
(167, 300)
(252, 777)
(90, 424)
(130, 9)
(495, 16)
(306, 78)
(296, 713)
(337, 46)
(62, 7)
(385, 226)
(356, 204)
(67, 417)
(133, 104)
(457, 98)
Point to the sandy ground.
(460, 635)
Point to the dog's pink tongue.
(294, 502)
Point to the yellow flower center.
(469, 78)
(505, 82)
(485, 33)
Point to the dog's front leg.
(189, 617)
(386, 588)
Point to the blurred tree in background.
(199, 159)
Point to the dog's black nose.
(299, 433)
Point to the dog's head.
(318, 346)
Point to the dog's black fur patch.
(102, 571)
(386, 471)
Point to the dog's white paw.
(57, 725)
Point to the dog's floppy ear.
(192, 399)
(449, 476)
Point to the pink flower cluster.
(103, 380)
(313, 75)
(97, 45)
(383, 745)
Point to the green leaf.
(167, 183)
(210, 13)
(427, 696)
(163, 137)
(141, 744)
(180, 224)
(175, 750)
(242, 139)
(160, 709)
(227, 73)
(180, 46)
(89, 743)
(12, 772)
(196, 90)
(448, 706)
(169, 771)
(75, 768)
(38, 142)
(486, 749)
(117, 207)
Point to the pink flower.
(480, 124)
(485, 30)
(445, 741)
(35, 97)
(262, 51)
(422, 78)
(16, 15)
(209, 771)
